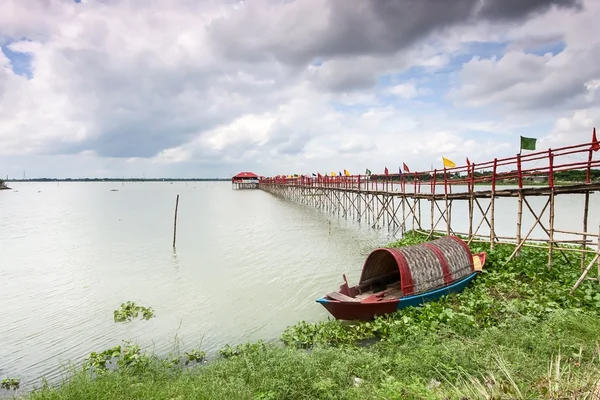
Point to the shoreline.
(509, 332)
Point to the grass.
(514, 333)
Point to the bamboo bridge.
(424, 201)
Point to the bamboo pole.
(585, 272)
(492, 209)
(528, 233)
(432, 213)
(591, 234)
(519, 218)
(471, 213)
(551, 230)
(403, 213)
(175, 221)
(598, 250)
(419, 220)
(586, 206)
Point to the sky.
(209, 88)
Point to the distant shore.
(120, 180)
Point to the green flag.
(527, 143)
(368, 171)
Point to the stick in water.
(175, 222)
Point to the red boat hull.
(360, 311)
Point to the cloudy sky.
(206, 88)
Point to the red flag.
(405, 167)
(595, 143)
(385, 171)
(468, 162)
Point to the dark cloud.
(357, 27)
(517, 9)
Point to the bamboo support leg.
(432, 214)
(537, 221)
(586, 206)
(519, 219)
(403, 214)
(585, 272)
(447, 217)
(551, 231)
(470, 215)
(492, 225)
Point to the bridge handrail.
(519, 168)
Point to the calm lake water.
(247, 265)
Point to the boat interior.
(387, 285)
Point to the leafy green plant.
(10, 383)
(195, 355)
(128, 357)
(130, 310)
(228, 351)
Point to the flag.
(333, 174)
(339, 173)
(448, 163)
(319, 175)
(368, 171)
(527, 143)
(346, 172)
(314, 174)
(595, 143)
(468, 162)
(399, 171)
(405, 167)
(385, 171)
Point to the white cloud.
(404, 90)
(186, 87)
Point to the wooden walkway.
(398, 202)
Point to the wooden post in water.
(175, 221)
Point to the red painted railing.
(518, 170)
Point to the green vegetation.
(130, 310)
(10, 383)
(514, 333)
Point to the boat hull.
(365, 311)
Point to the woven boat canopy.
(422, 267)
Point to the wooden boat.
(395, 278)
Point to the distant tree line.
(119, 180)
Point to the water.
(247, 265)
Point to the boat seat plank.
(342, 297)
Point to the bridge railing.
(539, 167)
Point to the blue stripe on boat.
(420, 298)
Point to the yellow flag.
(333, 174)
(448, 163)
(346, 172)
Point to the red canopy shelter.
(244, 175)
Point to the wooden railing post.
(588, 172)
(551, 169)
